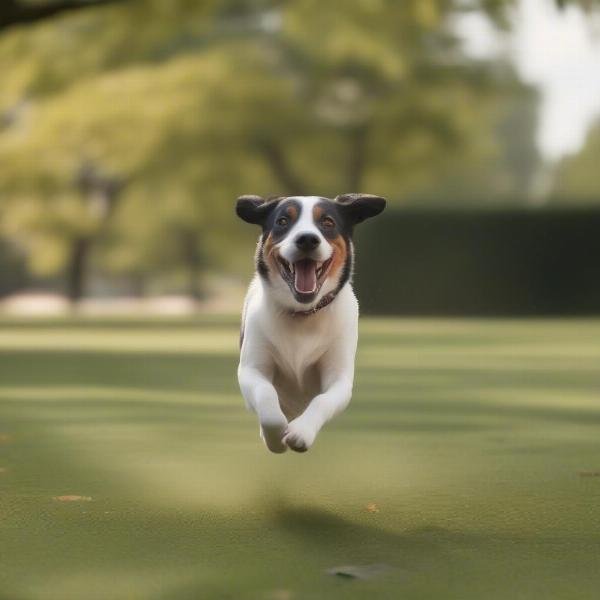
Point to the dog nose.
(307, 241)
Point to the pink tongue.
(306, 276)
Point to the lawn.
(468, 463)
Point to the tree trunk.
(193, 261)
(77, 269)
(281, 169)
(100, 193)
(137, 284)
(194, 285)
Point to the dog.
(300, 318)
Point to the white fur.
(296, 372)
(305, 224)
(279, 292)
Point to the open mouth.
(305, 276)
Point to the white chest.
(299, 347)
(297, 376)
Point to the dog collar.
(323, 302)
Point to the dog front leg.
(302, 431)
(261, 397)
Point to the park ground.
(468, 465)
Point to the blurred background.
(467, 465)
(129, 127)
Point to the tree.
(212, 100)
(576, 176)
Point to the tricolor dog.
(300, 317)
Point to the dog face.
(305, 250)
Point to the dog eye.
(327, 222)
(282, 221)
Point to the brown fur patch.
(317, 213)
(268, 247)
(268, 255)
(340, 255)
(292, 212)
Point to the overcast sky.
(559, 52)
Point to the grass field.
(468, 463)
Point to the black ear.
(359, 207)
(254, 209)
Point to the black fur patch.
(277, 230)
(274, 226)
(343, 227)
(261, 265)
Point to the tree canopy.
(182, 106)
(577, 178)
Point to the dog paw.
(300, 435)
(272, 431)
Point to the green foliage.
(210, 100)
(577, 175)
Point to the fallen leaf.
(372, 507)
(358, 571)
(281, 595)
(73, 498)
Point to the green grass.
(478, 441)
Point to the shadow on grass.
(419, 381)
(399, 403)
(295, 546)
(290, 560)
(401, 416)
(215, 555)
(168, 371)
(201, 323)
(463, 411)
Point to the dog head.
(305, 250)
